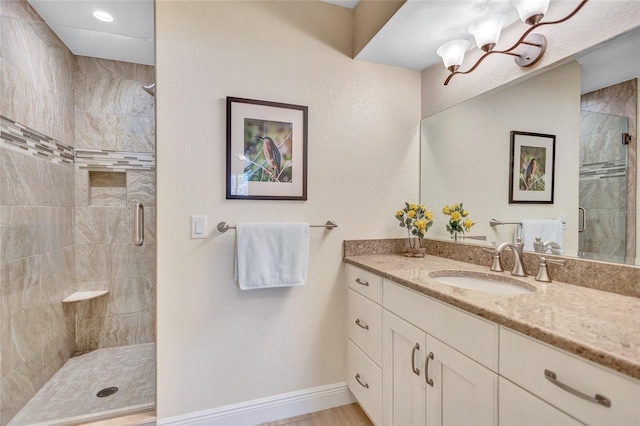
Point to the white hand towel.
(274, 254)
(548, 230)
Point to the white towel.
(546, 229)
(274, 254)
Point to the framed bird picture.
(532, 168)
(266, 150)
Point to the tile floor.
(70, 396)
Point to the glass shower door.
(603, 186)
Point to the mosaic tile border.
(20, 138)
(609, 169)
(94, 159)
(16, 137)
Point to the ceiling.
(129, 38)
(409, 39)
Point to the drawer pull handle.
(599, 399)
(366, 327)
(364, 385)
(426, 369)
(361, 282)
(413, 359)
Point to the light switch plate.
(198, 227)
(563, 219)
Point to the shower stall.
(608, 173)
(77, 299)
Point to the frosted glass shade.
(531, 11)
(452, 53)
(487, 31)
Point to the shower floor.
(70, 396)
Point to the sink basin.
(480, 281)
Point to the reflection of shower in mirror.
(150, 89)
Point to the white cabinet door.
(459, 390)
(519, 407)
(403, 384)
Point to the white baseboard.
(267, 409)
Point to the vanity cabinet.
(590, 393)
(364, 350)
(414, 360)
(426, 381)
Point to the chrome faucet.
(541, 247)
(543, 273)
(518, 266)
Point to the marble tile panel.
(26, 231)
(106, 262)
(82, 188)
(21, 289)
(141, 186)
(99, 225)
(18, 387)
(18, 9)
(105, 68)
(102, 196)
(144, 73)
(117, 96)
(107, 131)
(116, 331)
(57, 275)
(17, 88)
(125, 297)
(25, 180)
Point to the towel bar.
(494, 222)
(224, 226)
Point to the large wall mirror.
(588, 103)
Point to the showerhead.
(150, 89)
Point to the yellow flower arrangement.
(456, 223)
(416, 218)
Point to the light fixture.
(103, 16)
(527, 50)
(487, 31)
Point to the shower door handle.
(583, 222)
(138, 223)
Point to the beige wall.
(218, 345)
(465, 154)
(36, 208)
(597, 21)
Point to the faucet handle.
(538, 246)
(496, 266)
(543, 273)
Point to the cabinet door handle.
(364, 385)
(366, 327)
(413, 359)
(598, 399)
(426, 369)
(361, 282)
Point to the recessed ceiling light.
(103, 16)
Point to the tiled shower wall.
(67, 226)
(115, 146)
(115, 135)
(36, 206)
(618, 100)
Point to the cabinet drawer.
(519, 407)
(475, 337)
(366, 283)
(365, 382)
(524, 360)
(365, 325)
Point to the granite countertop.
(600, 326)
